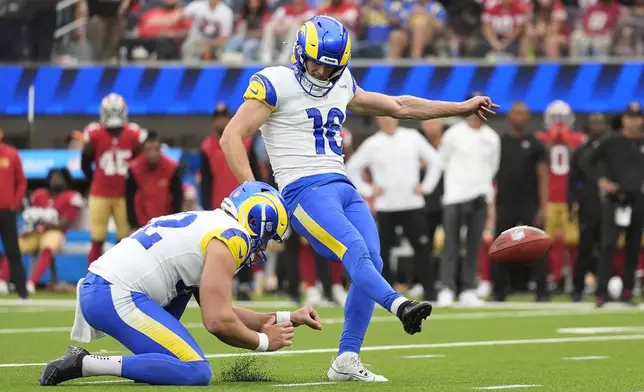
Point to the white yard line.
(589, 358)
(411, 346)
(10, 365)
(305, 384)
(34, 330)
(71, 304)
(514, 386)
(103, 382)
(596, 330)
(34, 309)
(422, 356)
(378, 319)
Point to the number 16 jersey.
(165, 258)
(302, 134)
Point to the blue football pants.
(337, 222)
(164, 351)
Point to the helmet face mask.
(559, 112)
(333, 49)
(113, 112)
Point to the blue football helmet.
(324, 40)
(261, 210)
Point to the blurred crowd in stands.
(263, 30)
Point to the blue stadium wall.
(178, 90)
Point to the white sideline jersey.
(302, 135)
(167, 255)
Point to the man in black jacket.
(521, 195)
(618, 165)
(583, 202)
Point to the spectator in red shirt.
(595, 28)
(548, 31)
(161, 30)
(346, 11)
(14, 184)
(282, 27)
(249, 29)
(503, 27)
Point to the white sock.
(396, 304)
(345, 357)
(95, 365)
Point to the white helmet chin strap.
(311, 83)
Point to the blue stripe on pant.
(337, 222)
(165, 352)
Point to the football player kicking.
(138, 290)
(300, 111)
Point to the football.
(521, 244)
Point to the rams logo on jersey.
(236, 240)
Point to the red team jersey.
(66, 203)
(559, 147)
(505, 20)
(112, 155)
(601, 19)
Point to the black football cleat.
(65, 368)
(412, 314)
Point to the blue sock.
(357, 316)
(161, 369)
(367, 286)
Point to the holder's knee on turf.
(201, 373)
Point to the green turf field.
(517, 347)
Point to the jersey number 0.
(147, 235)
(329, 129)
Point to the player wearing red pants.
(51, 212)
(560, 141)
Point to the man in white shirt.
(212, 24)
(393, 156)
(282, 27)
(470, 153)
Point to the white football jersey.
(166, 257)
(302, 135)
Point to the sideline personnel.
(153, 187)
(584, 203)
(618, 164)
(13, 186)
(522, 193)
